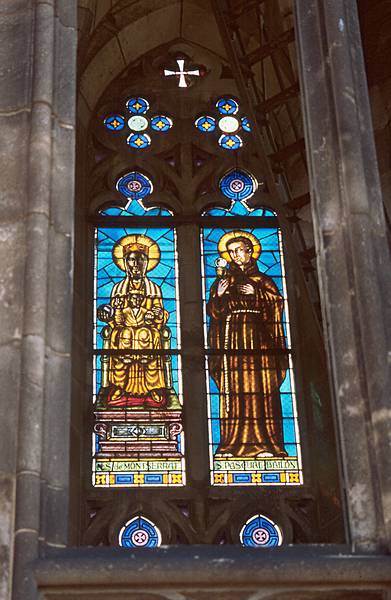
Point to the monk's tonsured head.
(240, 250)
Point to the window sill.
(192, 572)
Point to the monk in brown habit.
(246, 308)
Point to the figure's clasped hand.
(105, 312)
(246, 289)
(149, 317)
(222, 287)
(119, 301)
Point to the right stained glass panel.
(253, 425)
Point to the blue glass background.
(136, 209)
(238, 207)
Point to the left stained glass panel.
(138, 433)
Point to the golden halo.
(238, 233)
(152, 250)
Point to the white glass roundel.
(137, 123)
(228, 124)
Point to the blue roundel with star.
(206, 124)
(137, 106)
(140, 532)
(161, 123)
(114, 122)
(238, 185)
(245, 124)
(139, 140)
(227, 106)
(230, 142)
(260, 532)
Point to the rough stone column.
(353, 258)
(37, 58)
(15, 46)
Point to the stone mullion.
(193, 374)
(353, 259)
(56, 425)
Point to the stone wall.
(37, 56)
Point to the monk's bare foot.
(264, 455)
(223, 455)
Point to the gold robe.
(136, 374)
(250, 362)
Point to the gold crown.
(135, 247)
(136, 242)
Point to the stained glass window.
(253, 428)
(230, 142)
(227, 106)
(138, 433)
(136, 187)
(140, 532)
(239, 186)
(138, 123)
(226, 123)
(260, 532)
(206, 123)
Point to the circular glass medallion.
(137, 106)
(227, 106)
(114, 122)
(205, 124)
(139, 140)
(140, 532)
(134, 185)
(260, 532)
(137, 123)
(230, 142)
(245, 124)
(161, 123)
(238, 185)
(228, 124)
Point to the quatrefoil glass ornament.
(139, 123)
(226, 122)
